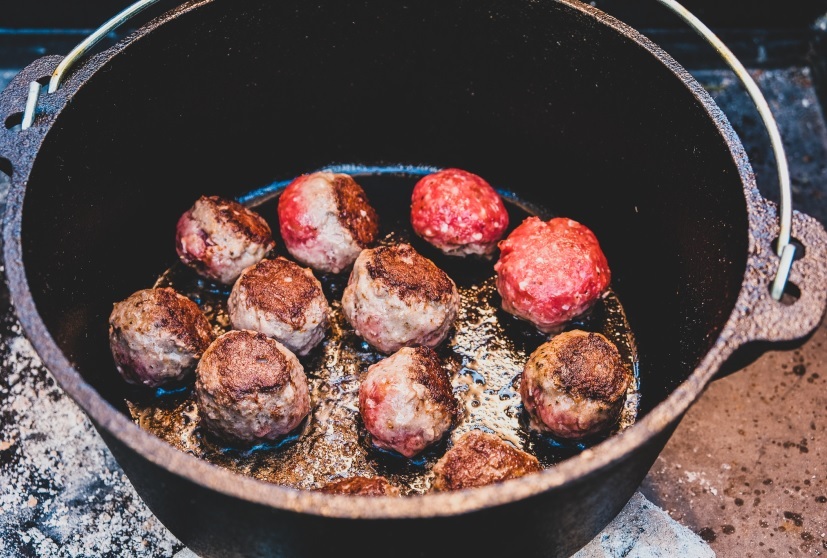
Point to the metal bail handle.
(77, 53)
(785, 250)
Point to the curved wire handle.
(84, 46)
(76, 53)
(785, 250)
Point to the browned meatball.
(397, 298)
(326, 220)
(574, 385)
(250, 388)
(157, 336)
(219, 238)
(479, 458)
(282, 300)
(406, 401)
(361, 486)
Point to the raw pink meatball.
(458, 212)
(219, 238)
(550, 272)
(282, 300)
(406, 401)
(574, 385)
(397, 298)
(157, 336)
(326, 220)
(250, 388)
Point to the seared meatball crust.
(406, 401)
(157, 336)
(574, 386)
(361, 486)
(458, 212)
(250, 388)
(282, 300)
(219, 238)
(550, 272)
(479, 458)
(397, 298)
(326, 220)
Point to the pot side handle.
(782, 299)
(17, 146)
(757, 316)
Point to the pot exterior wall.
(554, 524)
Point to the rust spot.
(796, 518)
(707, 534)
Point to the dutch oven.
(569, 108)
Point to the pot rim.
(213, 477)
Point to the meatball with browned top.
(157, 336)
(574, 385)
(219, 238)
(479, 458)
(397, 298)
(326, 220)
(361, 486)
(406, 401)
(458, 212)
(250, 388)
(550, 272)
(282, 300)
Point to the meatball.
(281, 300)
(479, 458)
(326, 220)
(219, 238)
(361, 486)
(574, 385)
(157, 336)
(550, 272)
(458, 212)
(397, 298)
(406, 401)
(250, 388)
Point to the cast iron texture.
(555, 101)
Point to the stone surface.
(643, 530)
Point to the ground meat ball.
(219, 238)
(458, 212)
(397, 298)
(550, 272)
(250, 388)
(326, 220)
(574, 385)
(361, 486)
(406, 401)
(157, 336)
(281, 300)
(479, 458)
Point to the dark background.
(771, 14)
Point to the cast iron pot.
(571, 109)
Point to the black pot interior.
(539, 98)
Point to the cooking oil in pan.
(484, 354)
